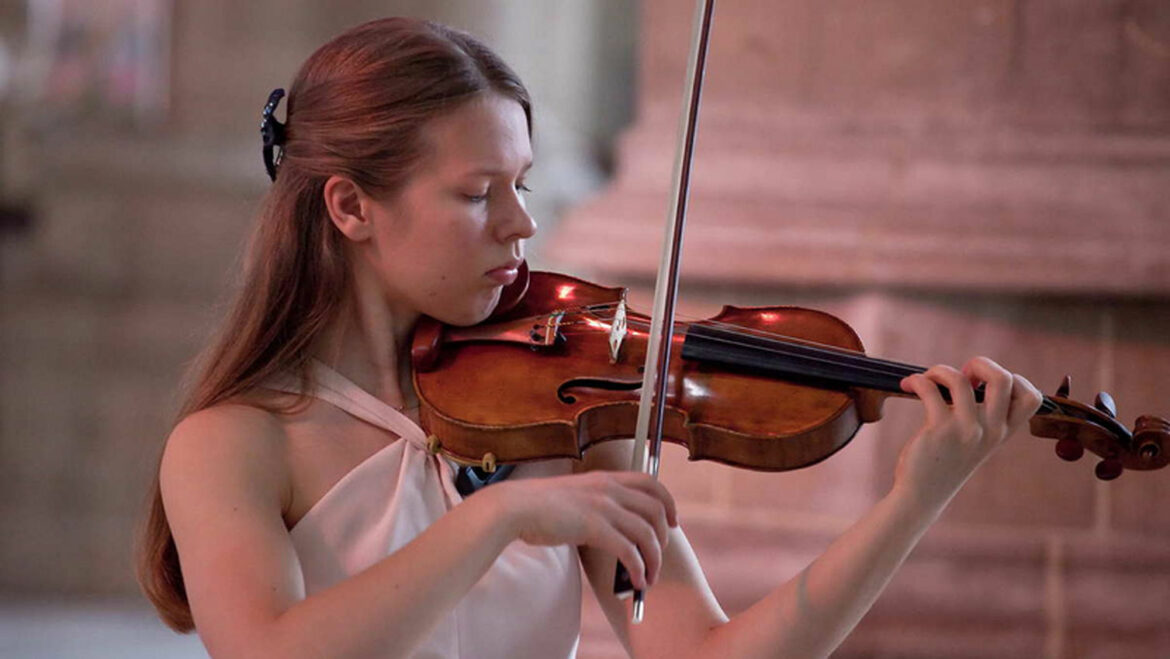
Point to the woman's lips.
(504, 275)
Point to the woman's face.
(452, 237)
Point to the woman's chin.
(473, 313)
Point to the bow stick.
(652, 406)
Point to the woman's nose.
(516, 223)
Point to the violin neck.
(770, 356)
(829, 367)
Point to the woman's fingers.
(925, 385)
(644, 511)
(641, 535)
(959, 386)
(997, 393)
(653, 488)
(1008, 399)
(1025, 400)
(928, 393)
(625, 514)
(648, 508)
(610, 539)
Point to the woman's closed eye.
(480, 197)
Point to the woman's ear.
(348, 208)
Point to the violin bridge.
(617, 331)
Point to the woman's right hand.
(627, 514)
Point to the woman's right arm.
(224, 485)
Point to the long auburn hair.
(355, 109)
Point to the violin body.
(559, 368)
(495, 389)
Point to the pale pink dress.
(528, 604)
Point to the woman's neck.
(369, 343)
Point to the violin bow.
(652, 406)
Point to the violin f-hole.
(606, 384)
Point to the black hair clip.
(273, 133)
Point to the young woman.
(298, 512)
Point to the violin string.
(792, 346)
(1046, 404)
(827, 357)
(765, 334)
(816, 358)
(815, 346)
(808, 350)
(834, 354)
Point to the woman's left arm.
(810, 615)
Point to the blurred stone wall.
(950, 178)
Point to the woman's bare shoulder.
(230, 422)
(235, 445)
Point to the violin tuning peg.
(1108, 469)
(1104, 402)
(1069, 449)
(1062, 390)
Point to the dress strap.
(342, 392)
(335, 388)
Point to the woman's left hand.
(955, 439)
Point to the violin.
(559, 368)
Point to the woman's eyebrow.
(491, 170)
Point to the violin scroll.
(1150, 436)
(1078, 427)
